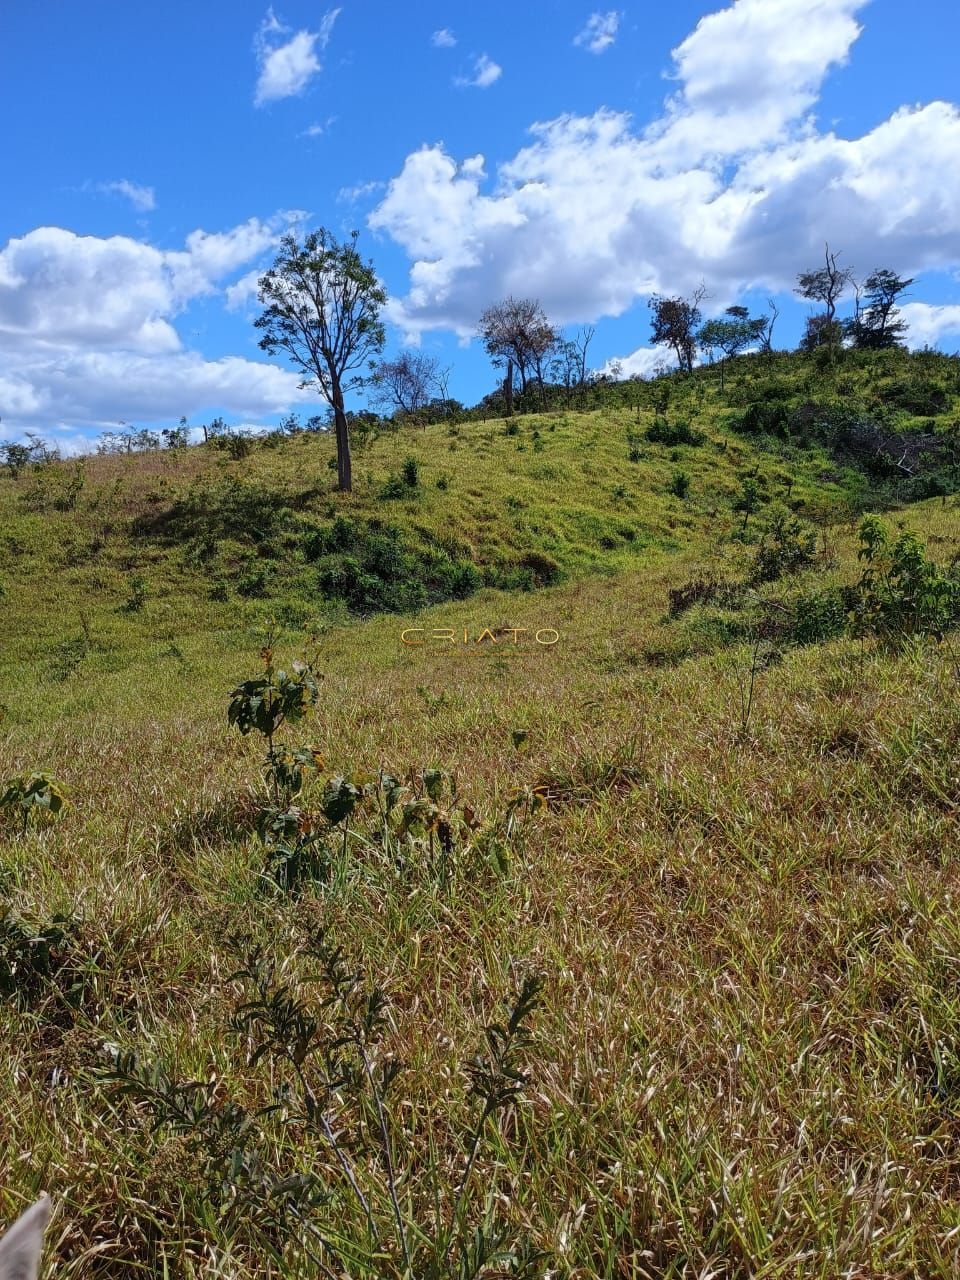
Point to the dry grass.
(748, 1059)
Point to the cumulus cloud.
(243, 292)
(288, 62)
(732, 183)
(485, 73)
(929, 324)
(749, 71)
(93, 387)
(443, 39)
(87, 327)
(143, 199)
(638, 364)
(600, 31)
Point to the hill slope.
(724, 842)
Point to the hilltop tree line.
(322, 309)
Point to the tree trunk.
(344, 468)
(508, 389)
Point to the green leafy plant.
(35, 795)
(901, 592)
(393, 487)
(264, 705)
(750, 498)
(137, 595)
(788, 546)
(679, 484)
(34, 955)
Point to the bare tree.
(517, 329)
(827, 284)
(569, 364)
(766, 340)
(322, 310)
(407, 383)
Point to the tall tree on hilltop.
(730, 335)
(877, 324)
(826, 284)
(675, 322)
(517, 329)
(322, 307)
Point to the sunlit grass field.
(737, 879)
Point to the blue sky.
(152, 156)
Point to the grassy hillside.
(721, 834)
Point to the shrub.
(750, 498)
(372, 569)
(253, 581)
(900, 592)
(673, 433)
(138, 594)
(543, 567)
(34, 956)
(679, 484)
(788, 546)
(923, 397)
(410, 472)
(822, 615)
(703, 591)
(393, 487)
(318, 1033)
(765, 417)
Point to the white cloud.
(87, 330)
(638, 364)
(928, 324)
(352, 194)
(288, 65)
(600, 31)
(748, 71)
(443, 39)
(98, 388)
(243, 291)
(485, 73)
(319, 129)
(142, 198)
(732, 184)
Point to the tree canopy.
(322, 305)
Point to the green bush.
(393, 487)
(673, 433)
(788, 546)
(822, 615)
(31, 795)
(923, 397)
(543, 567)
(371, 569)
(901, 593)
(765, 417)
